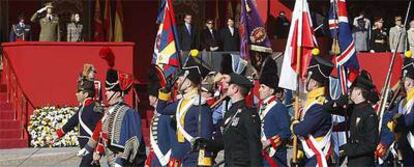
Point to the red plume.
(107, 54)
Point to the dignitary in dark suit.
(49, 24)
(363, 125)
(162, 133)
(210, 37)
(20, 31)
(315, 126)
(230, 37)
(86, 118)
(192, 117)
(188, 34)
(241, 128)
(274, 117)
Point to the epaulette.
(321, 100)
(98, 108)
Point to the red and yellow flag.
(108, 21)
(119, 20)
(99, 32)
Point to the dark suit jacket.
(209, 40)
(188, 41)
(230, 43)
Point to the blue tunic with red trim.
(316, 121)
(276, 124)
(87, 117)
(181, 150)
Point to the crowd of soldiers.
(199, 112)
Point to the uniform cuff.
(164, 96)
(60, 133)
(100, 149)
(275, 141)
(120, 161)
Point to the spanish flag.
(99, 32)
(119, 20)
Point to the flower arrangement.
(43, 125)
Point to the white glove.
(41, 10)
(117, 165)
(372, 51)
(83, 152)
(214, 48)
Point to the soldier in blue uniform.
(315, 125)
(192, 116)
(87, 117)
(383, 152)
(161, 131)
(121, 126)
(274, 117)
(403, 121)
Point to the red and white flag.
(299, 46)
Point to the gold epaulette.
(164, 96)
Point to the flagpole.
(297, 104)
(385, 92)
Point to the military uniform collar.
(193, 92)
(87, 102)
(269, 99)
(410, 94)
(361, 105)
(314, 95)
(238, 104)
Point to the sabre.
(385, 91)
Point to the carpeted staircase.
(11, 129)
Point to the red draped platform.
(48, 71)
(377, 65)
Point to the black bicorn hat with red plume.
(115, 80)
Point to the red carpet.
(11, 130)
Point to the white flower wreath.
(43, 125)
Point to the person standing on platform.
(315, 126)
(188, 34)
(379, 37)
(362, 16)
(49, 25)
(230, 37)
(395, 34)
(410, 34)
(20, 31)
(282, 26)
(363, 125)
(241, 128)
(274, 118)
(361, 35)
(162, 133)
(210, 37)
(75, 29)
(192, 116)
(402, 122)
(86, 118)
